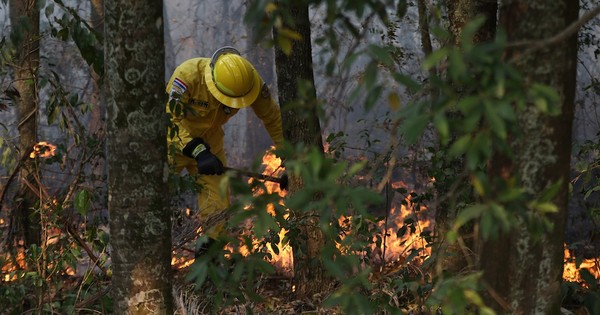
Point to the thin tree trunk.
(458, 257)
(527, 280)
(257, 137)
(424, 28)
(97, 115)
(460, 12)
(140, 223)
(301, 125)
(25, 22)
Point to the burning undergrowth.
(399, 229)
(395, 239)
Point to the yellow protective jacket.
(203, 114)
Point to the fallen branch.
(85, 247)
(96, 296)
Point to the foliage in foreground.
(334, 189)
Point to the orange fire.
(572, 273)
(398, 247)
(9, 268)
(394, 248)
(43, 149)
(181, 262)
(272, 167)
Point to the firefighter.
(204, 93)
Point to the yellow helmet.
(232, 79)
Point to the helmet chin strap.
(221, 51)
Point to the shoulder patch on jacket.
(178, 87)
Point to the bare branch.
(572, 29)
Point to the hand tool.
(282, 181)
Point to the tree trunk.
(301, 125)
(97, 115)
(25, 23)
(140, 224)
(257, 138)
(460, 12)
(456, 259)
(528, 277)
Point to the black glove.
(283, 184)
(208, 163)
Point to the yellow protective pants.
(212, 202)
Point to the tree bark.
(454, 257)
(25, 23)
(460, 12)
(97, 22)
(301, 126)
(140, 224)
(528, 277)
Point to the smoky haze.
(197, 28)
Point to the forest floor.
(278, 297)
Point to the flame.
(394, 248)
(8, 268)
(398, 247)
(272, 167)
(181, 262)
(572, 273)
(43, 149)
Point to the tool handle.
(254, 175)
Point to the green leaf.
(413, 127)
(500, 88)
(370, 75)
(541, 103)
(407, 81)
(545, 99)
(401, 8)
(549, 193)
(285, 44)
(435, 58)
(470, 29)
(356, 167)
(469, 214)
(501, 215)
(442, 126)
(589, 192)
(456, 65)
(478, 186)
(452, 236)
(381, 54)
(506, 111)
(82, 202)
(495, 122)
(334, 269)
(488, 227)
(373, 96)
(460, 146)
(394, 101)
(52, 109)
(467, 104)
(49, 9)
(471, 121)
(545, 207)
(509, 194)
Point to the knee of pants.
(210, 197)
(212, 203)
